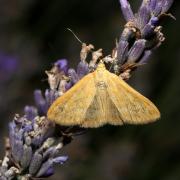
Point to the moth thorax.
(101, 85)
(101, 66)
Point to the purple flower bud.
(166, 5)
(126, 10)
(50, 152)
(17, 150)
(154, 21)
(40, 102)
(19, 134)
(50, 96)
(136, 50)
(82, 69)
(62, 65)
(12, 127)
(145, 57)
(60, 159)
(36, 163)
(148, 31)
(37, 141)
(44, 168)
(27, 140)
(68, 85)
(158, 8)
(122, 51)
(73, 76)
(49, 172)
(28, 127)
(152, 4)
(127, 35)
(143, 16)
(26, 157)
(30, 112)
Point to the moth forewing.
(133, 107)
(70, 108)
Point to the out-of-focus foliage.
(33, 35)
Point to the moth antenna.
(75, 35)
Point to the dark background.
(33, 35)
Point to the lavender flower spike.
(30, 137)
(62, 65)
(141, 35)
(126, 10)
(34, 142)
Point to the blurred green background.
(33, 35)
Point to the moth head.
(101, 65)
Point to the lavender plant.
(34, 143)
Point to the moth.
(100, 98)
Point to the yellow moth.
(102, 98)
